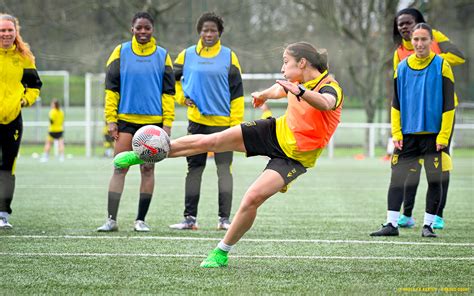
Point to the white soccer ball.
(151, 143)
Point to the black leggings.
(411, 186)
(196, 165)
(10, 138)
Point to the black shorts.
(260, 139)
(10, 143)
(132, 128)
(197, 128)
(56, 135)
(421, 146)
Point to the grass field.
(311, 240)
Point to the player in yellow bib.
(403, 25)
(55, 131)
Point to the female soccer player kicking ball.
(293, 142)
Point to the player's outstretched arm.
(275, 91)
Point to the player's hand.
(398, 144)
(167, 129)
(257, 99)
(440, 147)
(189, 103)
(289, 86)
(113, 130)
(23, 103)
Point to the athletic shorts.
(445, 156)
(132, 128)
(56, 135)
(422, 146)
(260, 139)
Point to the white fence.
(94, 90)
(374, 129)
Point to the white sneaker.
(189, 222)
(141, 226)
(223, 224)
(4, 223)
(110, 225)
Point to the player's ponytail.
(317, 58)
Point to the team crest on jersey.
(394, 159)
(250, 123)
(436, 162)
(15, 136)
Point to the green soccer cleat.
(126, 159)
(216, 258)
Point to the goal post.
(93, 115)
(66, 83)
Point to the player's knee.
(120, 172)
(147, 169)
(252, 200)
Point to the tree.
(366, 24)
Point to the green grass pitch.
(311, 240)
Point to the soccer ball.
(151, 143)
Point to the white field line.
(179, 238)
(101, 186)
(56, 186)
(235, 256)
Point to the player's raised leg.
(228, 140)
